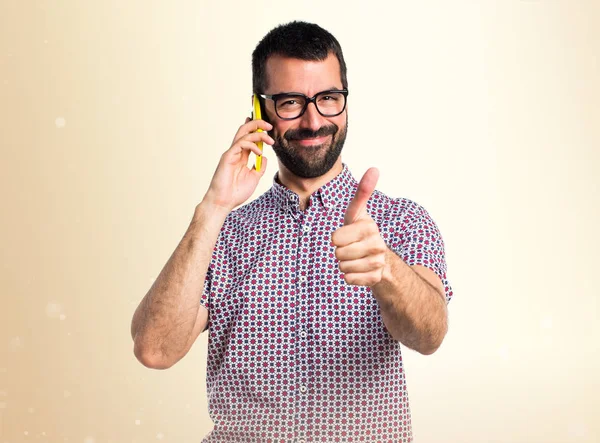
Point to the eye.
(329, 98)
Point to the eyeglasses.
(291, 105)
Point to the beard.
(310, 161)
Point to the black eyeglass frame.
(308, 100)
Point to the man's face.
(310, 145)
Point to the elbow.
(151, 360)
(428, 350)
(432, 345)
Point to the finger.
(258, 137)
(251, 126)
(362, 265)
(358, 205)
(359, 249)
(363, 278)
(263, 167)
(242, 148)
(354, 233)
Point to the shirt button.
(301, 440)
(306, 228)
(291, 197)
(303, 333)
(303, 389)
(303, 278)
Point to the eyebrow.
(333, 88)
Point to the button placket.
(303, 264)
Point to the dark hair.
(305, 41)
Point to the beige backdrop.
(113, 116)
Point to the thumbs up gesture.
(359, 246)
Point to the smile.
(311, 141)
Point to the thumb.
(358, 205)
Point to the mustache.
(303, 133)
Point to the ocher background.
(113, 116)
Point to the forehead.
(285, 74)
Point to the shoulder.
(387, 209)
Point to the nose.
(311, 119)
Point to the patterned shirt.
(295, 354)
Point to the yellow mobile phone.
(256, 115)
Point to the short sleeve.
(418, 241)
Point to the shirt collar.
(338, 191)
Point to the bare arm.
(411, 299)
(412, 304)
(170, 317)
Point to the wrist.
(207, 218)
(212, 208)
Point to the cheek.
(278, 131)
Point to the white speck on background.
(138, 422)
(16, 343)
(68, 333)
(44, 433)
(188, 406)
(66, 394)
(60, 122)
(159, 402)
(62, 316)
(26, 433)
(31, 410)
(503, 352)
(46, 41)
(577, 430)
(89, 440)
(160, 435)
(53, 309)
(546, 322)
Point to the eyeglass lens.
(328, 104)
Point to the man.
(307, 291)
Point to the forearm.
(413, 311)
(164, 320)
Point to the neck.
(305, 187)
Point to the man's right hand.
(233, 182)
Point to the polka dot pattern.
(295, 354)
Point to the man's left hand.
(359, 247)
